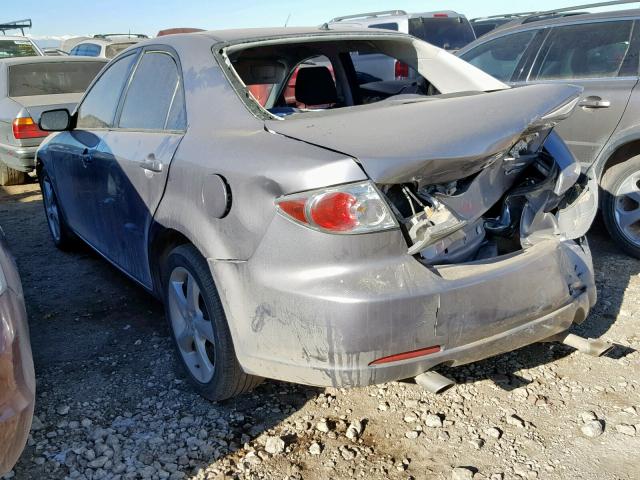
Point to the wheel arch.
(161, 241)
(617, 152)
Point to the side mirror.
(55, 120)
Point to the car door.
(602, 57)
(134, 158)
(76, 178)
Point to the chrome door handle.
(151, 164)
(595, 102)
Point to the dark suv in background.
(599, 52)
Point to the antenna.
(287, 21)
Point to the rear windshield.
(448, 33)
(112, 50)
(17, 48)
(51, 78)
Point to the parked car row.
(29, 85)
(330, 205)
(598, 52)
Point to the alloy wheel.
(191, 324)
(627, 208)
(51, 209)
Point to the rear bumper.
(22, 159)
(299, 311)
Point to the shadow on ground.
(101, 343)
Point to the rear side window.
(17, 48)
(500, 57)
(86, 50)
(386, 26)
(594, 50)
(51, 78)
(450, 33)
(155, 87)
(98, 108)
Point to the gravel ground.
(110, 405)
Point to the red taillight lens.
(401, 70)
(294, 208)
(26, 128)
(334, 212)
(440, 15)
(348, 209)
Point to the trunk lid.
(36, 104)
(430, 140)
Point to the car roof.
(14, 37)
(390, 15)
(48, 59)
(513, 27)
(560, 20)
(263, 34)
(95, 41)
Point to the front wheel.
(621, 205)
(62, 236)
(199, 327)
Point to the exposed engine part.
(527, 195)
(434, 222)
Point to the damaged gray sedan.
(306, 222)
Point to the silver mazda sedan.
(305, 221)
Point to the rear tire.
(621, 205)
(61, 234)
(9, 176)
(199, 327)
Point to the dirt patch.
(110, 405)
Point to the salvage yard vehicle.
(445, 29)
(598, 52)
(27, 87)
(362, 239)
(105, 46)
(17, 376)
(13, 46)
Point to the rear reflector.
(26, 128)
(407, 355)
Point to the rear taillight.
(440, 15)
(401, 70)
(347, 209)
(25, 127)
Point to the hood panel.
(428, 140)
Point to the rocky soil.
(110, 404)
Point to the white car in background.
(17, 46)
(105, 46)
(446, 29)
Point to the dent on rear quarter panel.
(225, 139)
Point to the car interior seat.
(315, 86)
